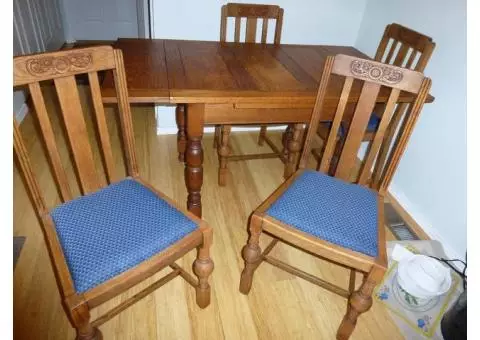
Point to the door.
(105, 19)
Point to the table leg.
(194, 157)
(294, 147)
(181, 136)
(223, 153)
(286, 138)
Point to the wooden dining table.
(230, 83)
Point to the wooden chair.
(118, 232)
(327, 216)
(399, 46)
(252, 13)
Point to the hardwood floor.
(280, 306)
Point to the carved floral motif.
(373, 71)
(58, 65)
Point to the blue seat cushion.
(335, 211)
(107, 232)
(372, 126)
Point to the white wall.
(431, 179)
(37, 27)
(305, 22)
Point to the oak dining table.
(230, 83)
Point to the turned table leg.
(294, 147)
(286, 138)
(223, 153)
(181, 136)
(194, 157)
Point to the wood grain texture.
(399, 46)
(401, 39)
(50, 142)
(146, 70)
(77, 133)
(37, 67)
(102, 127)
(232, 82)
(171, 311)
(370, 75)
(229, 73)
(78, 305)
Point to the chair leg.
(223, 152)
(359, 302)
(181, 135)
(294, 147)
(203, 267)
(216, 136)
(252, 254)
(262, 134)
(79, 316)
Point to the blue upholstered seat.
(372, 126)
(330, 209)
(112, 230)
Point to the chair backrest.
(252, 13)
(372, 76)
(62, 67)
(401, 46)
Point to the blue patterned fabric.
(330, 209)
(372, 126)
(105, 233)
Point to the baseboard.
(211, 129)
(20, 114)
(419, 222)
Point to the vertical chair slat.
(425, 57)
(264, 30)
(391, 51)
(26, 169)
(317, 109)
(251, 33)
(383, 44)
(388, 139)
(411, 59)
(49, 138)
(223, 24)
(102, 126)
(402, 53)
(377, 141)
(77, 133)
(332, 137)
(399, 149)
(278, 27)
(238, 22)
(125, 114)
(356, 130)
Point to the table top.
(183, 71)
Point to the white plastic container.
(423, 276)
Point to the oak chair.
(399, 46)
(340, 218)
(253, 14)
(119, 231)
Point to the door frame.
(144, 18)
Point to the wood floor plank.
(279, 306)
